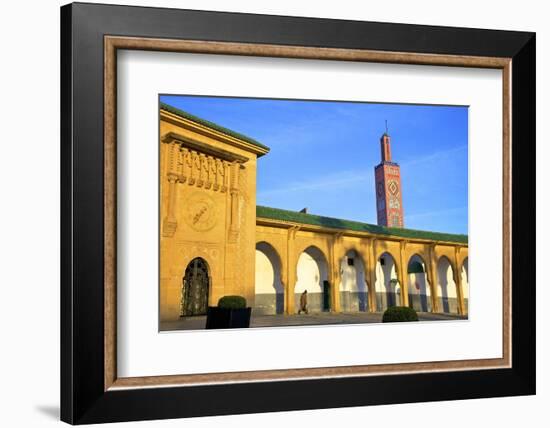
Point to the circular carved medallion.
(200, 212)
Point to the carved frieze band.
(197, 169)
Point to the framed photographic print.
(276, 213)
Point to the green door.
(326, 296)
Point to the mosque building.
(215, 240)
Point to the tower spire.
(385, 146)
(387, 175)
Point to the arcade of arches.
(356, 273)
(215, 241)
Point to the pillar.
(371, 270)
(283, 257)
(234, 201)
(404, 282)
(291, 266)
(169, 223)
(433, 280)
(458, 282)
(334, 269)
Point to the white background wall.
(29, 218)
(311, 272)
(265, 274)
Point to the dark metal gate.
(196, 284)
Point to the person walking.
(303, 303)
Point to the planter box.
(227, 318)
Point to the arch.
(353, 285)
(419, 288)
(319, 246)
(446, 286)
(388, 289)
(268, 286)
(465, 283)
(312, 276)
(195, 290)
(462, 256)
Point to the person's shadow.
(50, 411)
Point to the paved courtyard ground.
(323, 318)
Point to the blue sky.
(323, 155)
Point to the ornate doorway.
(196, 283)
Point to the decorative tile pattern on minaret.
(387, 175)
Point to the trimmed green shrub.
(232, 302)
(399, 314)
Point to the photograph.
(271, 211)
(293, 212)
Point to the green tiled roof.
(212, 125)
(336, 223)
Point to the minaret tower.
(387, 176)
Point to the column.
(458, 282)
(203, 170)
(371, 270)
(234, 201)
(218, 174)
(169, 222)
(404, 279)
(183, 164)
(433, 280)
(334, 269)
(291, 270)
(210, 171)
(283, 256)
